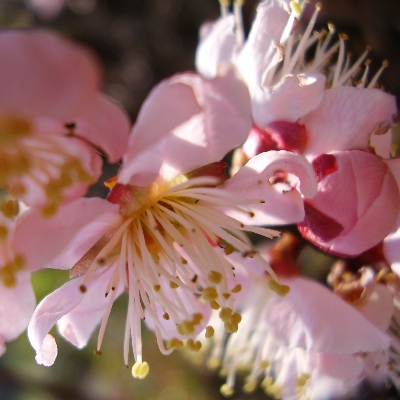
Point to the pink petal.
(198, 121)
(290, 99)
(17, 304)
(45, 75)
(391, 248)
(261, 49)
(356, 194)
(283, 204)
(105, 124)
(50, 310)
(48, 351)
(72, 231)
(78, 324)
(376, 305)
(341, 366)
(217, 43)
(312, 317)
(346, 118)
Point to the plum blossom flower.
(52, 116)
(159, 233)
(279, 90)
(308, 344)
(343, 130)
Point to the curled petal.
(187, 122)
(49, 311)
(78, 324)
(275, 202)
(346, 118)
(357, 193)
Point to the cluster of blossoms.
(312, 147)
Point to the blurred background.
(140, 42)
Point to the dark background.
(140, 42)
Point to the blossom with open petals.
(336, 128)
(158, 235)
(52, 114)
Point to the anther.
(194, 346)
(280, 290)
(157, 288)
(229, 249)
(226, 390)
(10, 208)
(82, 288)
(237, 288)
(214, 305)
(166, 316)
(140, 370)
(215, 277)
(319, 6)
(173, 285)
(296, 8)
(209, 332)
(101, 261)
(250, 387)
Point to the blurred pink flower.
(308, 344)
(52, 116)
(167, 215)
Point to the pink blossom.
(52, 114)
(293, 345)
(321, 124)
(158, 236)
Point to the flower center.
(29, 162)
(171, 253)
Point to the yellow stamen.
(140, 370)
(280, 290)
